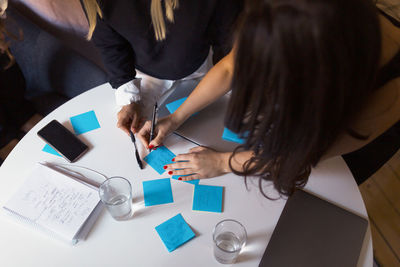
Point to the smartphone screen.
(62, 140)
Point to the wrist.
(224, 162)
(128, 93)
(176, 119)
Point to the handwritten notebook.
(55, 204)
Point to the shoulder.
(110, 7)
(390, 39)
(382, 109)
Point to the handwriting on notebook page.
(55, 201)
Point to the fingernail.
(170, 172)
(180, 178)
(156, 148)
(173, 159)
(165, 167)
(151, 146)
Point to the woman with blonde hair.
(148, 46)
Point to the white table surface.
(135, 242)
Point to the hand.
(200, 162)
(129, 118)
(164, 127)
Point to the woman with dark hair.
(308, 83)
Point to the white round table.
(135, 242)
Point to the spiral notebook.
(55, 204)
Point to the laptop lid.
(205, 127)
(313, 232)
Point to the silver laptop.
(205, 127)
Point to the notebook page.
(54, 201)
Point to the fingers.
(157, 141)
(178, 165)
(194, 176)
(135, 123)
(123, 122)
(181, 172)
(144, 134)
(185, 157)
(197, 149)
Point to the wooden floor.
(381, 194)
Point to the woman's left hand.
(200, 162)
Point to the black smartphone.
(63, 141)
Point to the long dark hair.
(303, 69)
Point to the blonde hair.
(157, 16)
(92, 10)
(4, 33)
(4, 45)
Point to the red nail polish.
(151, 146)
(180, 178)
(170, 172)
(173, 159)
(165, 167)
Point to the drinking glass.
(116, 194)
(229, 238)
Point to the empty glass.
(229, 238)
(116, 194)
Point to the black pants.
(370, 158)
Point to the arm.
(116, 53)
(380, 113)
(118, 58)
(214, 85)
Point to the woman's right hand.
(164, 127)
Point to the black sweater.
(126, 39)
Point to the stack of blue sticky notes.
(232, 137)
(157, 192)
(159, 157)
(207, 198)
(85, 122)
(175, 232)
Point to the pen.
(133, 139)
(153, 124)
(187, 139)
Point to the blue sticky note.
(85, 122)
(157, 192)
(232, 137)
(175, 232)
(159, 157)
(207, 198)
(50, 150)
(176, 177)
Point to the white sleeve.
(128, 92)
